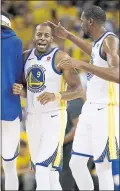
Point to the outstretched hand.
(58, 30)
(68, 63)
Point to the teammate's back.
(11, 70)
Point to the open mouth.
(41, 45)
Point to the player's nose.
(42, 37)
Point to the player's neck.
(98, 32)
(42, 53)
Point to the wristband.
(58, 96)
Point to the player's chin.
(42, 50)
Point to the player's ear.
(90, 21)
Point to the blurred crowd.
(26, 15)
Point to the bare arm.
(61, 32)
(74, 88)
(71, 77)
(110, 49)
(85, 46)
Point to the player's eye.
(47, 35)
(39, 34)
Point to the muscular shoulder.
(26, 52)
(25, 55)
(111, 44)
(60, 55)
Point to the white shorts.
(10, 138)
(46, 133)
(97, 133)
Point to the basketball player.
(11, 70)
(97, 135)
(46, 99)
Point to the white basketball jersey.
(41, 76)
(99, 90)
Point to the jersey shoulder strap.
(26, 54)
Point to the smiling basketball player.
(46, 96)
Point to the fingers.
(59, 66)
(54, 26)
(65, 63)
(51, 24)
(44, 102)
(17, 88)
(59, 25)
(17, 85)
(40, 97)
(43, 98)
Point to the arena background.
(25, 16)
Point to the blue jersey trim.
(106, 153)
(99, 38)
(48, 161)
(81, 154)
(28, 56)
(116, 187)
(45, 54)
(100, 53)
(98, 161)
(57, 168)
(115, 167)
(44, 165)
(41, 164)
(7, 160)
(53, 63)
(109, 160)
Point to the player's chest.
(40, 70)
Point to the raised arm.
(85, 46)
(110, 49)
(61, 32)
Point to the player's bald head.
(44, 26)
